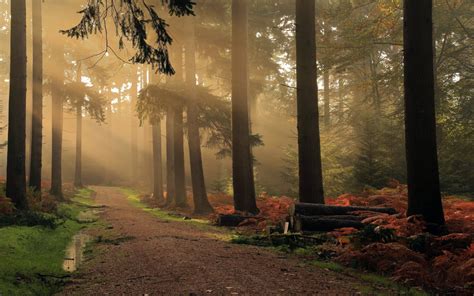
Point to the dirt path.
(175, 258)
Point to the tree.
(133, 126)
(131, 19)
(309, 147)
(170, 169)
(242, 164)
(157, 161)
(78, 167)
(201, 202)
(424, 196)
(178, 138)
(37, 108)
(154, 116)
(16, 178)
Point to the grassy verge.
(204, 225)
(32, 257)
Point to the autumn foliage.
(394, 245)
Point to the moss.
(328, 265)
(32, 256)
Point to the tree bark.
(170, 171)
(201, 202)
(133, 127)
(148, 155)
(242, 166)
(340, 91)
(327, 98)
(37, 106)
(57, 137)
(309, 147)
(420, 124)
(178, 138)
(230, 220)
(110, 140)
(78, 166)
(78, 169)
(157, 162)
(16, 174)
(180, 184)
(305, 223)
(309, 209)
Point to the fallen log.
(307, 209)
(322, 223)
(341, 217)
(231, 220)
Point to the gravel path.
(175, 258)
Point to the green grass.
(204, 225)
(32, 257)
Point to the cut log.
(307, 209)
(322, 223)
(341, 217)
(231, 220)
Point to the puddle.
(75, 252)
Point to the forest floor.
(139, 253)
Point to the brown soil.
(159, 257)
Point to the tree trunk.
(375, 85)
(16, 174)
(309, 147)
(78, 166)
(178, 142)
(37, 106)
(157, 162)
(147, 155)
(170, 171)
(180, 184)
(78, 170)
(133, 127)
(420, 124)
(201, 202)
(57, 139)
(340, 90)
(242, 166)
(110, 140)
(327, 99)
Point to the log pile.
(318, 217)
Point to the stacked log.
(319, 217)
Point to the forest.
(236, 147)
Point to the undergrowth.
(313, 249)
(33, 244)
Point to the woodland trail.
(174, 258)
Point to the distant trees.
(16, 175)
(309, 151)
(84, 100)
(37, 106)
(420, 124)
(242, 164)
